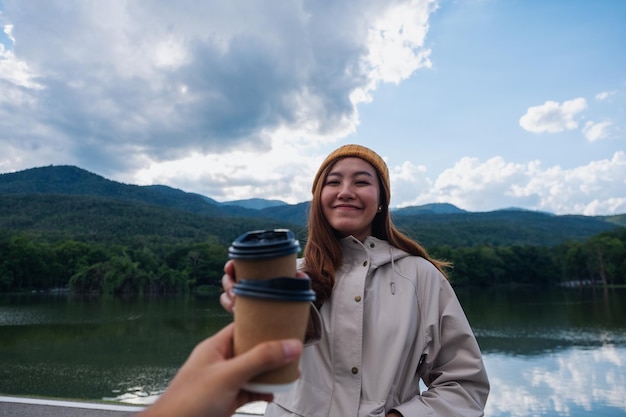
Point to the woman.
(389, 316)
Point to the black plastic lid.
(280, 289)
(264, 244)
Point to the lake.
(557, 352)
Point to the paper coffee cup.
(263, 254)
(271, 303)
(271, 309)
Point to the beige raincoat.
(392, 320)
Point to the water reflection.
(559, 353)
(572, 382)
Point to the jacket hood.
(380, 252)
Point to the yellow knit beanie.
(357, 151)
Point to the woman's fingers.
(227, 298)
(227, 302)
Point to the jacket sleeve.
(451, 365)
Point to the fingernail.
(291, 348)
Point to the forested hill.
(70, 180)
(66, 201)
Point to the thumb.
(264, 357)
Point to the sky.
(484, 104)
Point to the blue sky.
(485, 104)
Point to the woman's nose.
(345, 191)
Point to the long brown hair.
(322, 252)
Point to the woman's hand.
(227, 298)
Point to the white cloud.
(8, 29)
(171, 54)
(552, 117)
(14, 72)
(396, 39)
(595, 131)
(472, 185)
(604, 95)
(239, 102)
(593, 189)
(141, 81)
(596, 188)
(407, 181)
(239, 174)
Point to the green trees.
(96, 268)
(144, 266)
(25, 263)
(202, 263)
(600, 260)
(175, 269)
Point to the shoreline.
(36, 407)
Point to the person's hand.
(209, 384)
(227, 298)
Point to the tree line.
(599, 260)
(30, 264)
(144, 267)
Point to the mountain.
(617, 219)
(70, 180)
(255, 203)
(296, 213)
(500, 228)
(435, 208)
(66, 200)
(109, 220)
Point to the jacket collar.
(379, 252)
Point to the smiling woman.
(387, 316)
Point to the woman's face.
(350, 197)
